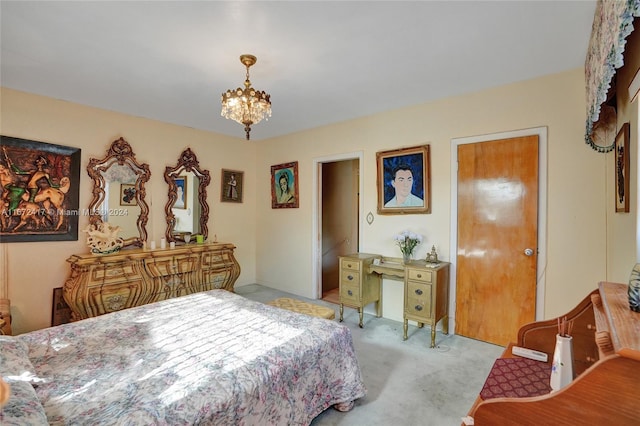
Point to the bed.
(212, 358)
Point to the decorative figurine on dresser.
(110, 280)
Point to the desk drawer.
(349, 277)
(419, 275)
(349, 293)
(418, 299)
(350, 264)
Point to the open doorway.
(338, 220)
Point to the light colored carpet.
(407, 382)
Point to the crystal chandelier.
(246, 106)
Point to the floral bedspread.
(207, 358)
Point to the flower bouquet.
(407, 241)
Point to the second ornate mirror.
(119, 192)
(187, 211)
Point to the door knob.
(528, 252)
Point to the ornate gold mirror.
(187, 211)
(118, 192)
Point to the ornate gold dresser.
(101, 284)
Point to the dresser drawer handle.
(418, 292)
(350, 277)
(350, 293)
(419, 275)
(418, 307)
(348, 265)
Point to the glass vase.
(406, 258)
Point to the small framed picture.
(127, 194)
(622, 166)
(232, 182)
(284, 186)
(404, 181)
(181, 191)
(60, 311)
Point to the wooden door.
(497, 238)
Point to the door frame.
(541, 132)
(316, 221)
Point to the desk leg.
(433, 335)
(406, 329)
(379, 308)
(361, 312)
(445, 324)
(341, 312)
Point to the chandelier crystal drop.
(246, 106)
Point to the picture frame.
(42, 203)
(284, 186)
(128, 194)
(60, 311)
(622, 166)
(408, 169)
(231, 186)
(181, 188)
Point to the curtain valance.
(612, 23)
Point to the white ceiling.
(322, 62)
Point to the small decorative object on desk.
(634, 289)
(102, 238)
(433, 256)
(562, 365)
(407, 241)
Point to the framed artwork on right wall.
(623, 163)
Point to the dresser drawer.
(215, 260)
(114, 273)
(419, 275)
(350, 264)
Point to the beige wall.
(36, 268)
(275, 246)
(622, 228)
(576, 240)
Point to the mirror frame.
(187, 162)
(120, 152)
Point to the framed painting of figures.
(232, 182)
(39, 191)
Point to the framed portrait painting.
(404, 180)
(623, 162)
(232, 182)
(181, 192)
(127, 194)
(284, 186)
(40, 195)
